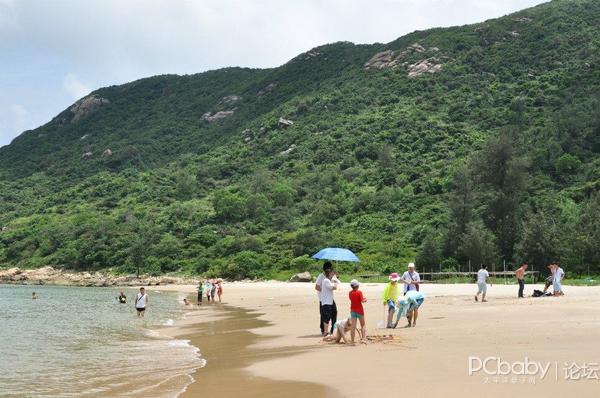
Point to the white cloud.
(75, 87)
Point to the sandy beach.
(263, 341)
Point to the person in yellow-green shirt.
(390, 295)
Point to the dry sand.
(251, 357)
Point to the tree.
(461, 203)
(540, 243)
(479, 244)
(503, 176)
(429, 254)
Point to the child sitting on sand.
(357, 311)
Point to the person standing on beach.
(390, 295)
(559, 275)
(520, 274)
(550, 278)
(207, 287)
(411, 279)
(328, 310)
(141, 302)
(357, 311)
(327, 267)
(409, 306)
(219, 288)
(482, 279)
(33, 296)
(213, 289)
(200, 293)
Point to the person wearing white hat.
(411, 279)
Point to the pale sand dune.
(431, 359)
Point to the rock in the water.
(301, 277)
(284, 122)
(214, 117)
(86, 106)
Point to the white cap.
(354, 282)
(411, 265)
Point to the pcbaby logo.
(495, 366)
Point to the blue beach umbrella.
(336, 254)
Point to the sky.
(53, 52)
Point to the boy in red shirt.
(356, 311)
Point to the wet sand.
(225, 342)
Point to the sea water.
(77, 342)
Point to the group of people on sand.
(211, 287)
(397, 306)
(406, 305)
(333, 329)
(557, 274)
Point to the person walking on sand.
(411, 278)
(482, 278)
(219, 288)
(141, 302)
(520, 274)
(329, 284)
(357, 311)
(390, 295)
(327, 267)
(559, 275)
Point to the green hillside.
(479, 143)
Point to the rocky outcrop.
(107, 152)
(424, 66)
(288, 151)
(229, 99)
(514, 33)
(84, 137)
(392, 59)
(284, 122)
(86, 106)
(87, 155)
(53, 276)
(381, 60)
(522, 19)
(215, 117)
(267, 89)
(301, 277)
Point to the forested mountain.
(479, 142)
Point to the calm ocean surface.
(74, 342)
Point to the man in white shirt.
(141, 302)
(326, 267)
(411, 279)
(559, 275)
(482, 278)
(328, 307)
